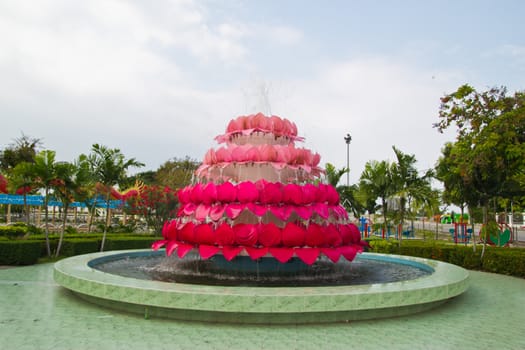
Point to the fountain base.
(264, 305)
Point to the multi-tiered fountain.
(260, 238)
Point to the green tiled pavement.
(38, 314)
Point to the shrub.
(78, 246)
(129, 242)
(15, 231)
(19, 252)
(509, 261)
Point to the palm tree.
(109, 168)
(69, 186)
(348, 194)
(45, 173)
(376, 181)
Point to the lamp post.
(348, 139)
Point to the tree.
(376, 181)
(157, 204)
(23, 149)
(176, 173)
(348, 194)
(109, 167)
(408, 185)
(490, 139)
(70, 186)
(44, 172)
(21, 180)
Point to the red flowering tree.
(156, 203)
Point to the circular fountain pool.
(266, 304)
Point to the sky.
(160, 79)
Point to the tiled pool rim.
(267, 305)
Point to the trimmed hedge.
(508, 261)
(121, 243)
(19, 252)
(13, 231)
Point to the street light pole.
(348, 139)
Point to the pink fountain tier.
(261, 196)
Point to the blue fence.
(18, 199)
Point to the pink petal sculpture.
(259, 195)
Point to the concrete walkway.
(38, 314)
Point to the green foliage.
(13, 231)
(19, 252)
(505, 261)
(176, 173)
(77, 246)
(136, 242)
(508, 261)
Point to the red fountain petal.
(207, 251)
(321, 209)
(314, 236)
(239, 153)
(209, 193)
(332, 196)
(304, 213)
(170, 247)
(226, 192)
(158, 244)
(332, 253)
(309, 193)
(269, 235)
(204, 234)
(186, 233)
(346, 234)
(256, 253)
(349, 252)
(292, 194)
(165, 228)
(257, 121)
(247, 192)
(245, 234)
(332, 236)
(321, 193)
(307, 255)
(202, 212)
(184, 249)
(230, 252)
(223, 155)
(277, 125)
(258, 210)
(271, 193)
(281, 254)
(233, 210)
(268, 153)
(196, 194)
(281, 154)
(286, 211)
(233, 126)
(189, 209)
(225, 235)
(216, 212)
(171, 230)
(253, 154)
(278, 212)
(293, 235)
(356, 234)
(316, 160)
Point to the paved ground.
(38, 314)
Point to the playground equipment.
(461, 233)
(503, 238)
(453, 218)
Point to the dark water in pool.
(264, 272)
